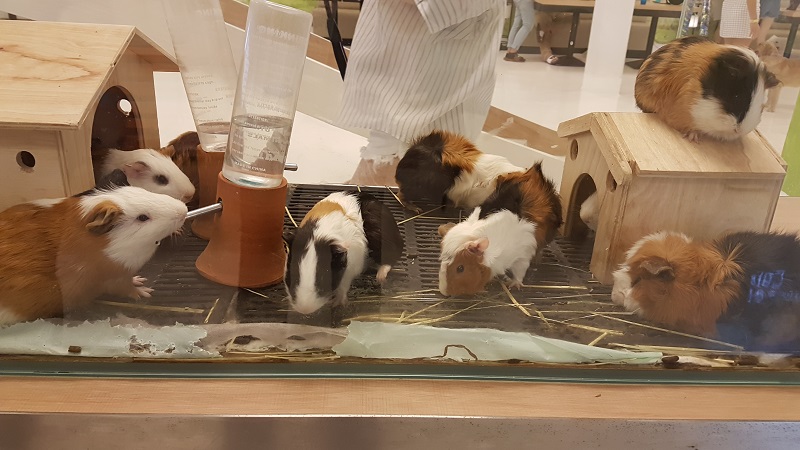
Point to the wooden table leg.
(569, 59)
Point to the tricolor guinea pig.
(332, 245)
(60, 254)
(700, 87)
(529, 195)
(446, 166)
(145, 168)
(747, 279)
(478, 249)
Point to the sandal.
(514, 57)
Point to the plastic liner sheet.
(390, 340)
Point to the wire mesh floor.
(559, 299)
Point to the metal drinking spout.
(204, 210)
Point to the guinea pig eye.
(161, 180)
(459, 269)
(143, 218)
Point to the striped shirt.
(419, 65)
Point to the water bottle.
(200, 39)
(276, 40)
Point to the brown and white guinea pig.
(748, 279)
(700, 87)
(183, 152)
(529, 195)
(145, 168)
(60, 254)
(478, 249)
(446, 166)
(331, 246)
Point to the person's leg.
(525, 9)
(770, 10)
(511, 53)
(766, 24)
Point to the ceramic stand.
(209, 166)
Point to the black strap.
(335, 37)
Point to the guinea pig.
(446, 166)
(331, 246)
(529, 195)
(746, 278)
(590, 211)
(700, 87)
(478, 249)
(109, 182)
(183, 152)
(148, 169)
(60, 254)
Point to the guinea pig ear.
(288, 236)
(136, 170)
(478, 246)
(338, 249)
(770, 80)
(168, 151)
(102, 218)
(443, 229)
(658, 268)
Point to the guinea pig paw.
(139, 281)
(142, 292)
(513, 284)
(383, 273)
(692, 136)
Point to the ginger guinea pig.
(60, 254)
(529, 195)
(700, 87)
(146, 168)
(479, 249)
(747, 280)
(446, 166)
(332, 245)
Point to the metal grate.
(560, 287)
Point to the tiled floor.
(545, 94)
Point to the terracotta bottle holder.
(209, 165)
(246, 246)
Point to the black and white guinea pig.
(331, 246)
(60, 254)
(478, 249)
(145, 168)
(746, 281)
(700, 87)
(531, 196)
(446, 166)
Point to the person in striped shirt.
(416, 66)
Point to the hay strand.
(210, 311)
(286, 208)
(420, 215)
(678, 333)
(521, 308)
(597, 339)
(179, 309)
